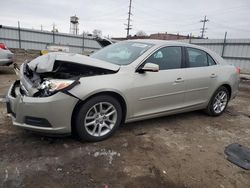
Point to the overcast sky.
(151, 16)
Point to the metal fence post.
(83, 43)
(53, 35)
(190, 36)
(19, 35)
(224, 45)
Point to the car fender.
(90, 86)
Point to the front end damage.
(47, 114)
(41, 100)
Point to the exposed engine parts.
(63, 75)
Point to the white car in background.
(55, 48)
(6, 56)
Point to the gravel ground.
(185, 150)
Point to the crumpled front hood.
(46, 62)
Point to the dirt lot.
(185, 150)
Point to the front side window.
(122, 53)
(167, 58)
(196, 57)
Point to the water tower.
(74, 22)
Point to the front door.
(156, 92)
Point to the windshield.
(122, 53)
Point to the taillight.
(3, 46)
(238, 70)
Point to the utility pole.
(129, 19)
(203, 29)
(54, 27)
(41, 27)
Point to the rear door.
(201, 75)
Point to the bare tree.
(97, 32)
(141, 33)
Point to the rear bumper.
(7, 58)
(235, 87)
(50, 115)
(234, 94)
(6, 62)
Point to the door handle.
(213, 75)
(179, 80)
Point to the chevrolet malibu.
(61, 93)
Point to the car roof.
(160, 43)
(169, 43)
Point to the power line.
(129, 19)
(229, 9)
(203, 29)
(229, 27)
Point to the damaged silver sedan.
(62, 93)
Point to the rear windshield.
(122, 53)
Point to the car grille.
(35, 121)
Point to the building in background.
(167, 36)
(159, 36)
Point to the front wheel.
(98, 118)
(218, 102)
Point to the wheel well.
(110, 93)
(228, 87)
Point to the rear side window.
(210, 60)
(196, 57)
(167, 58)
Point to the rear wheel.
(98, 118)
(218, 102)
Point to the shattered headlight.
(55, 85)
(49, 87)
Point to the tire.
(216, 101)
(98, 118)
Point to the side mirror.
(149, 67)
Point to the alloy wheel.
(100, 119)
(220, 102)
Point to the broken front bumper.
(46, 114)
